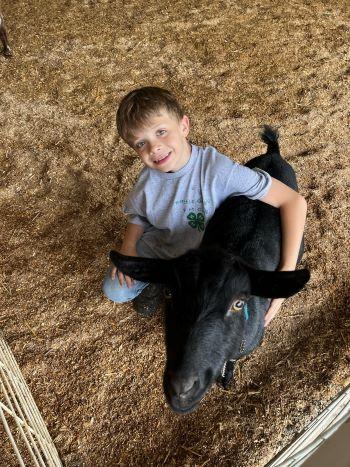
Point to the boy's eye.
(139, 145)
(161, 132)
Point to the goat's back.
(248, 228)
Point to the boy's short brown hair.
(139, 105)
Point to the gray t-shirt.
(174, 207)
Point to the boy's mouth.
(163, 159)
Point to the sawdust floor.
(94, 368)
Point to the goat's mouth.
(188, 400)
(183, 411)
(185, 406)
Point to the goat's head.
(206, 316)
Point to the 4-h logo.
(196, 221)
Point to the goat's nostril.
(186, 387)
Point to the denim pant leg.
(121, 293)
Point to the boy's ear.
(277, 284)
(185, 125)
(158, 271)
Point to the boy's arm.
(132, 234)
(293, 214)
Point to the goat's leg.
(3, 38)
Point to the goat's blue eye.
(237, 305)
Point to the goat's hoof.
(226, 377)
(7, 52)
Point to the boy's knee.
(121, 293)
(115, 292)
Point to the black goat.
(222, 290)
(3, 37)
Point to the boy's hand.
(132, 234)
(123, 277)
(275, 305)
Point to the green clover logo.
(196, 221)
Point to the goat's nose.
(185, 387)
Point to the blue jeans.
(121, 293)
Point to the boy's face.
(162, 143)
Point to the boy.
(178, 191)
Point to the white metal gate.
(20, 416)
(318, 431)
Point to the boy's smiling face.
(161, 143)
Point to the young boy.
(178, 191)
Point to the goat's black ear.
(277, 284)
(143, 269)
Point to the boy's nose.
(155, 148)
